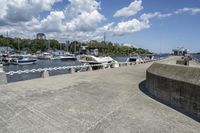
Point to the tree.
(105, 48)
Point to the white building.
(180, 51)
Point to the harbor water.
(196, 57)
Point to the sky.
(157, 25)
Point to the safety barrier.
(72, 69)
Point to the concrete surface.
(177, 85)
(3, 78)
(105, 101)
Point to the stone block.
(45, 74)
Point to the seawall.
(177, 85)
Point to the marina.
(50, 63)
(99, 66)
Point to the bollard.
(113, 65)
(3, 78)
(1, 68)
(45, 74)
(103, 67)
(89, 68)
(71, 70)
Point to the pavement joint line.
(102, 118)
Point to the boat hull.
(68, 59)
(44, 58)
(21, 62)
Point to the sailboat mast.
(7, 41)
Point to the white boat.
(98, 60)
(149, 58)
(23, 60)
(135, 59)
(64, 57)
(45, 56)
(6, 59)
(55, 57)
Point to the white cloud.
(53, 22)
(107, 27)
(131, 10)
(130, 26)
(14, 11)
(147, 16)
(78, 6)
(192, 11)
(3, 5)
(80, 20)
(85, 21)
(83, 15)
(130, 45)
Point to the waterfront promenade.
(109, 101)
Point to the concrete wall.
(177, 85)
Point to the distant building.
(41, 36)
(180, 51)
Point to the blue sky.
(166, 33)
(158, 25)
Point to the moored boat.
(45, 56)
(148, 57)
(68, 58)
(135, 59)
(23, 60)
(105, 61)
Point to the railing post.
(103, 67)
(71, 70)
(113, 65)
(3, 78)
(45, 74)
(89, 68)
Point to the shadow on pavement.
(142, 87)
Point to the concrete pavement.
(105, 101)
